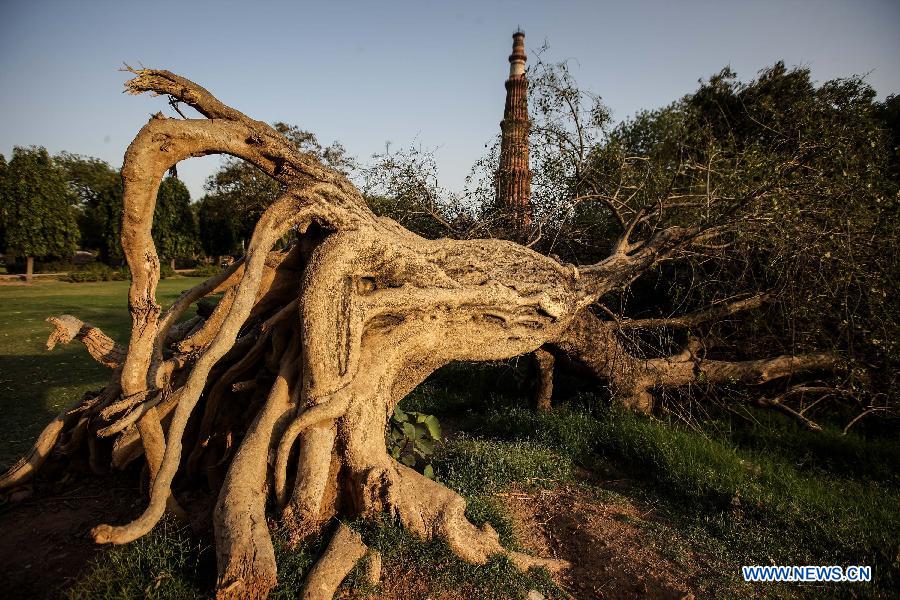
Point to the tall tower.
(513, 181)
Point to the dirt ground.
(44, 540)
(44, 545)
(610, 554)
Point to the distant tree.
(403, 185)
(2, 202)
(242, 191)
(39, 217)
(219, 226)
(174, 222)
(99, 189)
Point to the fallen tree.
(284, 389)
(598, 347)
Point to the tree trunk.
(29, 269)
(595, 345)
(317, 343)
(544, 362)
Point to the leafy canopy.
(38, 209)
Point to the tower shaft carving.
(513, 180)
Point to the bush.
(17, 266)
(96, 272)
(411, 439)
(205, 271)
(166, 271)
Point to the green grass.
(442, 570)
(167, 564)
(36, 384)
(764, 502)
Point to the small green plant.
(166, 271)
(412, 438)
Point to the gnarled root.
(313, 500)
(243, 545)
(431, 510)
(345, 550)
(21, 472)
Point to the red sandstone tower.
(513, 179)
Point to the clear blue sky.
(367, 72)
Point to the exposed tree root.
(345, 550)
(544, 362)
(25, 468)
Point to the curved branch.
(713, 313)
(25, 468)
(100, 346)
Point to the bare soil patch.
(44, 540)
(611, 554)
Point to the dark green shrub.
(205, 271)
(96, 272)
(166, 271)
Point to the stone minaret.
(514, 176)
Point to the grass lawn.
(36, 384)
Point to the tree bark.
(544, 362)
(594, 345)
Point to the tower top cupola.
(518, 57)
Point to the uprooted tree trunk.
(292, 377)
(598, 347)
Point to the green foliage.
(41, 266)
(3, 169)
(475, 466)
(412, 437)
(174, 223)
(793, 501)
(441, 570)
(38, 213)
(239, 193)
(99, 190)
(809, 174)
(97, 272)
(166, 271)
(837, 517)
(220, 225)
(204, 270)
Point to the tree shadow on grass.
(34, 389)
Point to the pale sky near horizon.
(428, 73)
